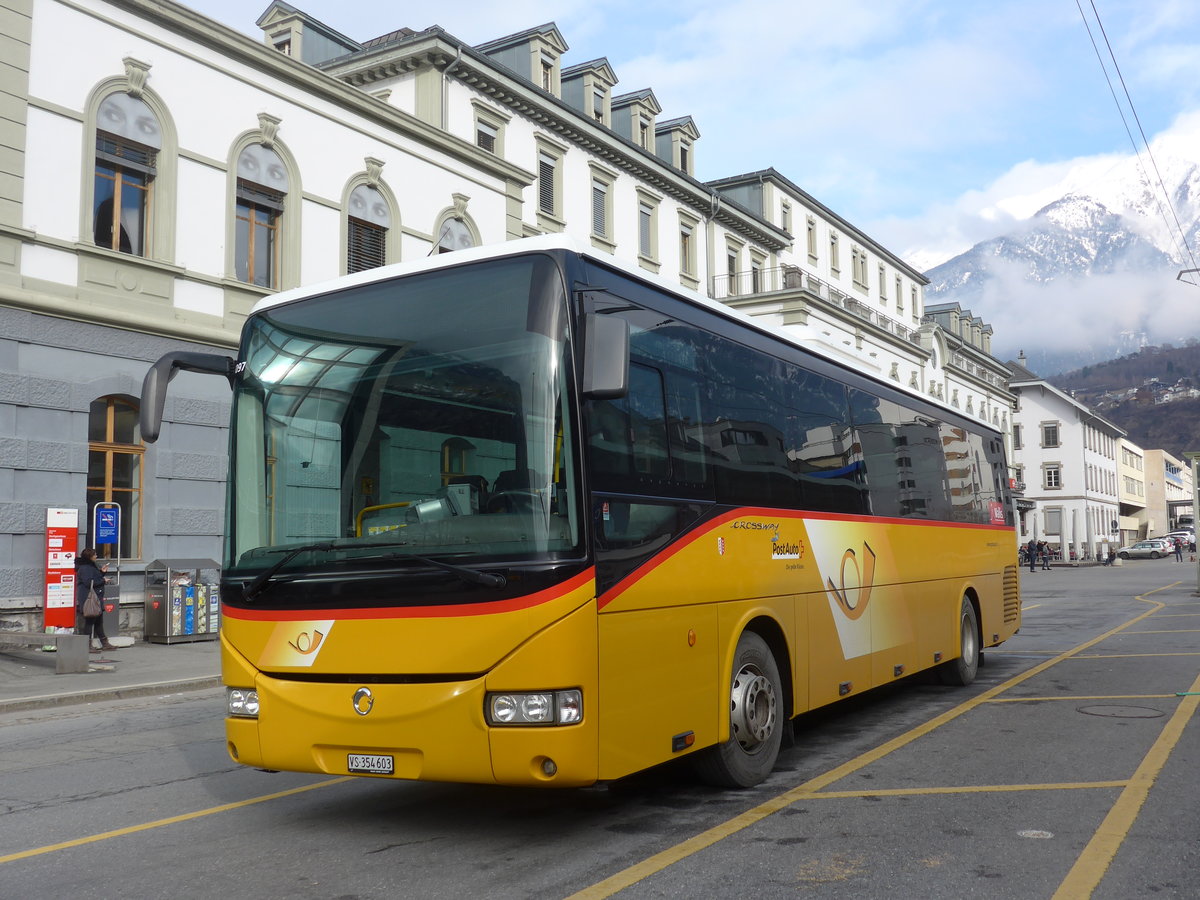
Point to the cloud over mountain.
(1091, 273)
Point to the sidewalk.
(135, 669)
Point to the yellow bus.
(522, 515)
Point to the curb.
(114, 693)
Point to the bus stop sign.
(107, 524)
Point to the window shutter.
(546, 183)
(485, 136)
(366, 247)
(598, 218)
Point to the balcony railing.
(780, 279)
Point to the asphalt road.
(1068, 770)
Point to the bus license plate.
(372, 764)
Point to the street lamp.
(1193, 456)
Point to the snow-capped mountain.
(1074, 236)
(1090, 271)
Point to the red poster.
(62, 541)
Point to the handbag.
(91, 606)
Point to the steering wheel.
(515, 501)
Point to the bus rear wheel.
(755, 724)
(961, 671)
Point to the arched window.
(115, 453)
(128, 140)
(454, 235)
(368, 220)
(262, 186)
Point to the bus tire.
(961, 671)
(756, 719)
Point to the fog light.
(549, 768)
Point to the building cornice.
(437, 49)
(786, 184)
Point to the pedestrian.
(89, 576)
(1031, 552)
(1045, 547)
(1178, 545)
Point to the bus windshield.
(426, 414)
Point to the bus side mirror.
(154, 386)
(605, 356)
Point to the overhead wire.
(1162, 192)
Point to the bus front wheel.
(755, 723)
(962, 671)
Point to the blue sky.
(915, 119)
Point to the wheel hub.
(753, 703)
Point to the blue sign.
(108, 523)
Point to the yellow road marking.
(1077, 697)
(1132, 655)
(170, 820)
(1098, 855)
(1167, 630)
(971, 789)
(1034, 606)
(666, 858)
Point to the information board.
(62, 542)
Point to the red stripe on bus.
(512, 604)
(766, 513)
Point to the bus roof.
(549, 242)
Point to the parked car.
(1188, 537)
(1151, 549)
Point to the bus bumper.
(433, 730)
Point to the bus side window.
(820, 443)
(628, 436)
(905, 455)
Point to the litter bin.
(183, 600)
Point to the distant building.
(1168, 491)
(1131, 472)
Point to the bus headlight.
(242, 703)
(535, 708)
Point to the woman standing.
(89, 575)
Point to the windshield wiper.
(471, 576)
(250, 591)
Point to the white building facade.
(1067, 458)
(165, 172)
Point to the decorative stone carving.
(136, 72)
(374, 170)
(269, 126)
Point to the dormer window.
(598, 105)
(673, 142)
(547, 74)
(643, 136)
(284, 46)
